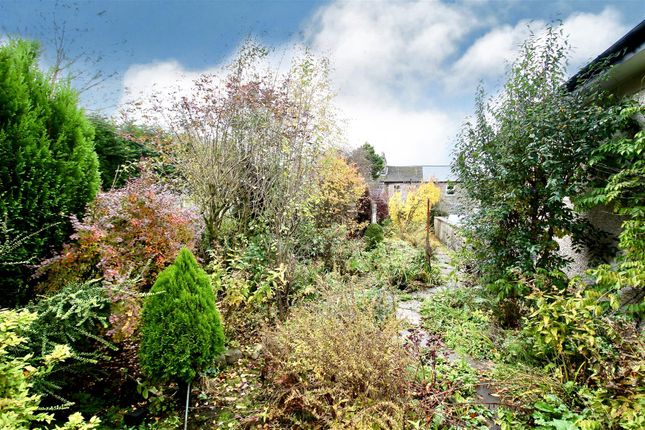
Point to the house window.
(450, 189)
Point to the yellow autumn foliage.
(411, 212)
(340, 186)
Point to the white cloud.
(591, 34)
(489, 56)
(407, 136)
(386, 56)
(405, 71)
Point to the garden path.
(410, 312)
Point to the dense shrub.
(364, 207)
(181, 330)
(623, 191)
(248, 287)
(335, 364)
(594, 359)
(48, 168)
(116, 152)
(373, 235)
(397, 263)
(76, 316)
(409, 214)
(127, 236)
(19, 403)
(523, 153)
(133, 231)
(338, 191)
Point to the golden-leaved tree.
(409, 213)
(339, 188)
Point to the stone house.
(407, 178)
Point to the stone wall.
(449, 203)
(447, 233)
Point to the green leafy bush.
(523, 153)
(116, 153)
(397, 263)
(181, 328)
(373, 235)
(48, 167)
(575, 332)
(76, 316)
(624, 193)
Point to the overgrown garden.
(214, 258)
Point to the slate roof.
(626, 47)
(417, 174)
(402, 174)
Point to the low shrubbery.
(133, 231)
(373, 235)
(463, 319)
(127, 236)
(409, 214)
(335, 364)
(395, 263)
(19, 402)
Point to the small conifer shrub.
(373, 235)
(181, 327)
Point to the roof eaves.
(616, 53)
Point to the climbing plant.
(623, 191)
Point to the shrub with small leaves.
(137, 229)
(19, 403)
(48, 168)
(338, 364)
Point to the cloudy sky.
(405, 71)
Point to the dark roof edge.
(627, 44)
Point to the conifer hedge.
(48, 167)
(181, 328)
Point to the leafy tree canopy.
(524, 153)
(368, 162)
(116, 151)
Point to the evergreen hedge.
(181, 328)
(48, 167)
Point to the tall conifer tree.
(48, 167)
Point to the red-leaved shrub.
(127, 237)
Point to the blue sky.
(404, 71)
